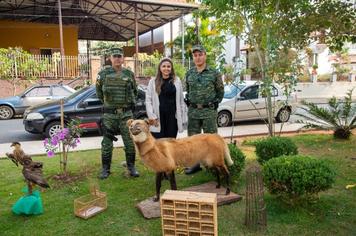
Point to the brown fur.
(165, 155)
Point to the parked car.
(16, 105)
(84, 104)
(246, 102)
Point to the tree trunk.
(270, 115)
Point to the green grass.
(333, 214)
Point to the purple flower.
(50, 153)
(68, 137)
(61, 136)
(54, 141)
(65, 131)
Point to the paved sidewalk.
(89, 143)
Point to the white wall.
(324, 65)
(230, 48)
(161, 34)
(158, 36)
(322, 91)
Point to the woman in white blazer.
(165, 102)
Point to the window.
(93, 101)
(250, 93)
(39, 92)
(231, 91)
(274, 92)
(60, 91)
(46, 51)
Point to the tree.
(102, 47)
(16, 64)
(273, 27)
(209, 36)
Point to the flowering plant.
(68, 137)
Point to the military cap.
(198, 47)
(116, 51)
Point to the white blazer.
(152, 105)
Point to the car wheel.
(224, 119)
(52, 128)
(6, 112)
(283, 115)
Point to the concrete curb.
(92, 143)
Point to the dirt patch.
(61, 180)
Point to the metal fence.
(67, 67)
(43, 66)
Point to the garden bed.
(332, 214)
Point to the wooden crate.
(186, 213)
(90, 204)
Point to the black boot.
(130, 161)
(105, 172)
(193, 169)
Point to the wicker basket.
(90, 204)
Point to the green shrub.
(297, 176)
(238, 158)
(274, 147)
(180, 70)
(324, 77)
(150, 71)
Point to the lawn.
(333, 214)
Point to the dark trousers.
(169, 127)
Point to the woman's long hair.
(159, 79)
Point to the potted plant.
(314, 71)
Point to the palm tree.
(339, 116)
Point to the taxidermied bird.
(32, 171)
(17, 154)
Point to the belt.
(116, 110)
(201, 106)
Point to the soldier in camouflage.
(205, 90)
(116, 88)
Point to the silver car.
(16, 105)
(245, 102)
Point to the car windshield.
(73, 95)
(232, 90)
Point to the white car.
(245, 102)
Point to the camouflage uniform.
(118, 92)
(205, 90)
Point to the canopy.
(99, 19)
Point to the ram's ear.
(129, 122)
(149, 121)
